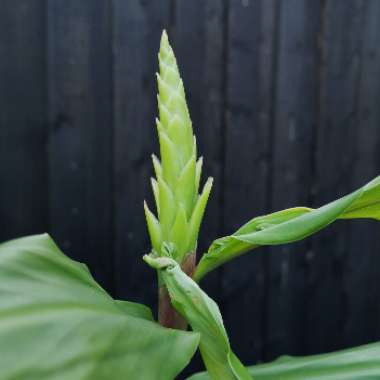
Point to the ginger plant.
(179, 206)
(57, 323)
(180, 210)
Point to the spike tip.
(180, 208)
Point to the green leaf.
(57, 323)
(135, 310)
(204, 316)
(360, 363)
(291, 225)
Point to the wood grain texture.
(250, 61)
(295, 116)
(23, 174)
(80, 150)
(335, 156)
(136, 34)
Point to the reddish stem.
(167, 315)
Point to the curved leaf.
(135, 310)
(59, 324)
(291, 225)
(204, 316)
(360, 363)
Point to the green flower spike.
(179, 207)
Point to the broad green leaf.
(360, 363)
(291, 225)
(57, 323)
(204, 316)
(135, 310)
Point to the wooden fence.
(285, 100)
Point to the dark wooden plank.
(250, 60)
(23, 190)
(295, 115)
(137, 30)
(80, 93)
(339, 75)
(362, 274)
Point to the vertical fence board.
(335, 156)
(250, 61)
(80, 173)
(362, 275)
(295, 115)
(137, 30)
(23, 190)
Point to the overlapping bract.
(179, 206)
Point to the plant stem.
(167, 315)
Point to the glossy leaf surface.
(360, 363)
(291, 225)
(57, 323)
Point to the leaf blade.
(359, 363)
(59, 324)
(204, 316)
(291, 225)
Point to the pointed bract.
(179, 206)
(154, 228)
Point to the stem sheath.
(167, 315)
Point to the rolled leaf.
(57, 323)
(204, 316)
(291, 225)
(360, 363)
